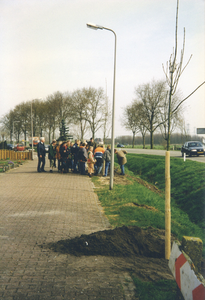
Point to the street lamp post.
(31, 131)
(94, 26)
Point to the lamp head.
(94, 26)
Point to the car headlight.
(193, 150)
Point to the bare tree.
(134, 120)
(175, 119)
(95, 112)
(7, 123)
(152, 96)
(78, 107)
(173, 72)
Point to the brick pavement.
(38, 208)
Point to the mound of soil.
(119, 242)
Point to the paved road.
(201, 158)
(38, 208)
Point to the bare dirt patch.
(150, 186)
(118, 179)
(130, 249)
(141, 206)
(121, 241)
(125, 180)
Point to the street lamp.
(31, 131)
(94, 26)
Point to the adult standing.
(41, 155)
(64, 152)
(121, 159)
(92, 143)
(52, 154)
(107, 159)
(58, 156)
(83, 157)
(75, 150)
(98, 154)
(71, 156)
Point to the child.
(90, 161)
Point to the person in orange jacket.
(98, 154)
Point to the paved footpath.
(38, 208)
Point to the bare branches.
(187, 97)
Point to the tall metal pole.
(94, 26)
(31, 131)
(113, 118)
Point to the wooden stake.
(167, 206)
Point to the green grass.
(187, 210)
(120, 209)
(187, 207)
(187, 181)
(159, 290)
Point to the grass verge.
(159, 290)
(134, 202)
(187, 181)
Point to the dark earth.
(121, 242)
(139, 251)
(131, 249)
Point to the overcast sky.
(46, 47)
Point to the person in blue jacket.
(41, 155)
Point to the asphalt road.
(177, 154)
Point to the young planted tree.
(173, 73)
(176, 118)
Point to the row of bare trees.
(86, 108)
(149, 111)
(157, 104)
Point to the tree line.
(148, 112)
(176, 139)
(87, 108)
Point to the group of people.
(79, 157)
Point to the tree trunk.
(151, 140)
(143, 137)
(49, 135)
(81, 130)
(133, 139)
(25, 137)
